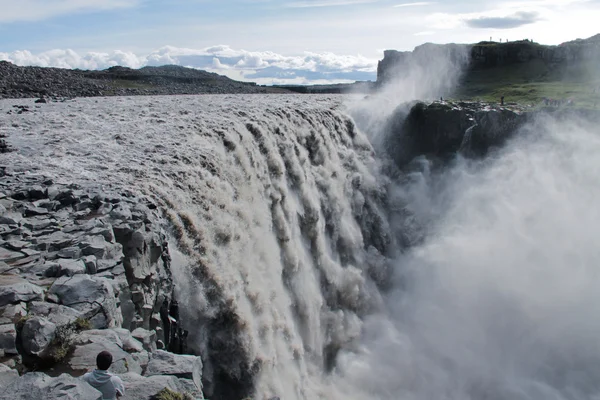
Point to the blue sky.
(271, 41)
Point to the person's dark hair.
(103, 360)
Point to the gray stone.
(37, 334)
(148, 338)
(91, 264)
(91, 295)
(11, 218)
(104, 231)
(37, 192)
(130, 344)
(54, 242)
(57, 314)
(37, 385)
(181, 366)
(8, 339)
(99, 247)
(16, 245)
(12, 312)
(38, 224)
(8, 256)
(32, 211)
(87, 346)
(71, 267)
(14, 290)
(139, 387)
(70, 252)
(7, 375)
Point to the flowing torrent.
(307, 266)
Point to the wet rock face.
(442, 129)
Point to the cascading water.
(305, 269)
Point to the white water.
(500, 301)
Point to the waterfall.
(308, 267)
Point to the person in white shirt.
(110, 385)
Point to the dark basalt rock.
(442, 129)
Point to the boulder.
(8, 256)
(37, 385)
(12, 312)
(130, 344)
(87, 346)
(92, 296)
(181, 366)
(11, 218)
(147, 338)
(139, 387)
(14, 290)
(7, 376)
(99, 247)
(57, 314)
(37, 334)
(8, 339)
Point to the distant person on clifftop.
(110, 385)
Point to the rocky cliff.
(490, 54)
(85, 269)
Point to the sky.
(272, 41)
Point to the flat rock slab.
(90, 343)
(139, 387)
(37, 385)
(57, 314)
(9, 256)
(14, 290)
(182, 366)
(93, 296)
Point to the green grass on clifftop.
(529, 83)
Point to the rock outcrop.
(442, 129)
(84, 269)
(22, 82)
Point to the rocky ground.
(24, 82)
(85, 269)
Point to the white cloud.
(35, 10)
(326, 3)
(263, 67)
(418, 4)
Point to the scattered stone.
(70, 252)
(9, 256)
(16, 290)
(12, 312)
(91, 295)
(91, 264)
(32, 211)
(57, 314)
(147, 338)
(37, 334)
(11, 218)
(7, 375)
(8, 339)
(181, 366)
(37, 385)
(147, 387)
(89, 343)
(15, 244)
